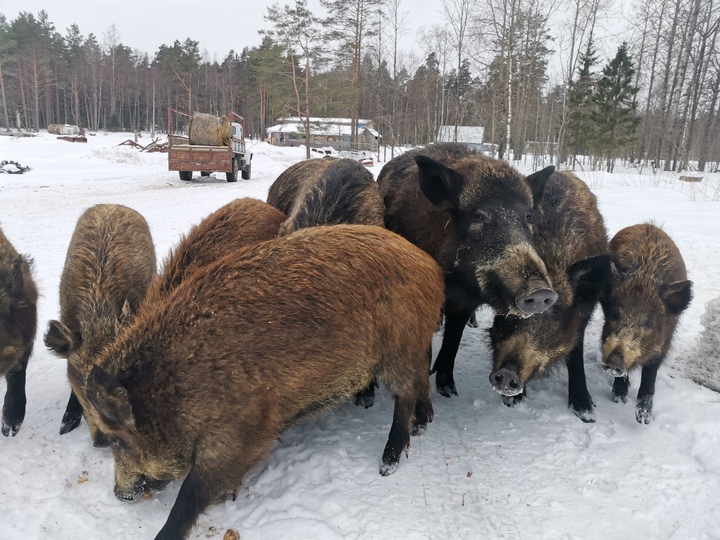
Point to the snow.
(481, 470)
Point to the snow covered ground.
(481, 470)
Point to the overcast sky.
(218, 26)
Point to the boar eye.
(480, 217)
(528, 219)
(117, 443)
(647, 323)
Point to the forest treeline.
(653, 103)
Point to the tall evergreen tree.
(581, 104)
(615, 115)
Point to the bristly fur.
(326, 191)
(336, 198)
(18, 324)
(204, 380)
(109, 265)
(472, 214)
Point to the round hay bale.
(54, 128)
(209, 130)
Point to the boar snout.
(614, 365)
(506, 381)
(539, 299)
(142, 487)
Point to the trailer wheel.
(186, 175)
(246, 172)
(232, 176)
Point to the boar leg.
(366, 396)
(13, 412)
(72, 416)
(644, 405)
(192, 500)
(620, 389)
(578, 396)
(399, 438)
(455, 322)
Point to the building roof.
(321, 120)
(318, 129)
(465, 134)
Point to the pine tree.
(615, 115)
(580, 125)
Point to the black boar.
(571, 238)
(109, 264)
(18, 323)
(327, 191)
(473, 214)
(649, 291)
(201, 384)
(240, 223)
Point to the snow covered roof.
(465, 134)
(318, 129)
(322, 120)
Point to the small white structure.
(470, 135)
(335, 132)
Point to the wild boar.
(327, 191)
(240, 223)
(571, 238)
(18, 323)
(109, 264)
(473, 214)
(201, 384)
(649, 291)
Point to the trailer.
(227, 154)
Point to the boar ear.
(110, 399)
(440, 184)
(126, 313)
(677, 296)
(60, 339)
(537, 181)
(590, 278)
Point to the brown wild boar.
(327, 191)
(473, 214)
(109, 264)
(201, 383)
(240, 223)
(649, 291)
(570, 236)
(18, 323)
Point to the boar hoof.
(586, 416)
(417, 428)
(386, 469)
(620, 389)
(643, 410)
(445, 384)
(366, 396)
(70, 421)
(10, 427)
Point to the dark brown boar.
(109, 264)
(201, 384)
(18, 323)
(571, 238)
(236, 225)
(327, 191)
(473, 214)
(649, 291)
